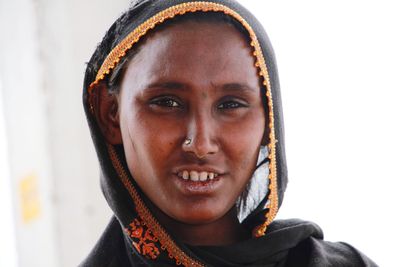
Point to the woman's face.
(197, 81)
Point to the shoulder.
(307, 247)
(315, 252)
(110, 250)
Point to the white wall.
(24, 111)
(44, 46)
(69, 33)
(8, 247)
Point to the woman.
(182, 98)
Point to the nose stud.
(187, 141)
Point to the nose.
(201, 136)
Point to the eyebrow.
(166, 85)
(238, 87)
(180, 86)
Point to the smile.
(196, 176)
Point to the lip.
(198, 188)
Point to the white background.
(339, 65)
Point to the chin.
(198, 216)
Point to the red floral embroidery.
(143, 240)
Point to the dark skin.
(190, 80)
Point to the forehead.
(191, 39)
(190, 33)
(195, 50)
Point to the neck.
(224, 231)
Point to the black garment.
(289, 243)
(134, 237)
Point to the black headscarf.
(134, 237)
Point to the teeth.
(197, 176)
(194, 176)
(203, 176)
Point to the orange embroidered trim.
(143, 240)
(120, 51)
(148, 219)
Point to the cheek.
(151, 138)
(247, 132)
(244, 140)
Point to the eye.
(165, 101)
(231, 104)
